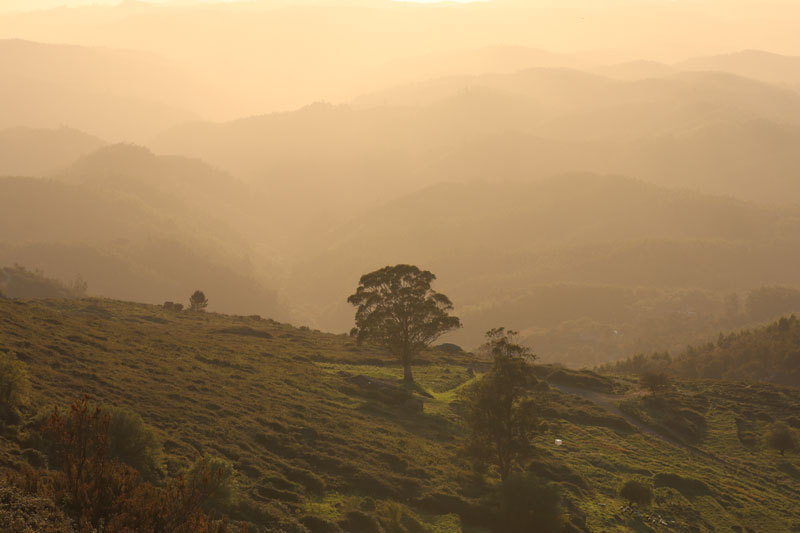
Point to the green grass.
(248, 390)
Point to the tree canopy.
(398, 309)
(198, 301)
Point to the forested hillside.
(770, 353)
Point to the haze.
(308, 254)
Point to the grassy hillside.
(280, 404)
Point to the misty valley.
(372, 266)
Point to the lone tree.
(198, 301)
(500, 411)
(781, 437)
(397, 309)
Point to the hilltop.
(280, 403)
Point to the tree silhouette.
(500, 413)
(198, 301)
(397, 309)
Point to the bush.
(360, 522)
(636, 492)
(781, 437)
(654, 381)
(397, 518)
(528, 503)
(100, 492)
(226, 492)
(172, 306)
(14, 386)
(134, 443)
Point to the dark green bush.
(356, 521)
(226, 494)
(636, 492)
(527, 503)
(134, 443)
(687, 486)
(397, 518)
(14, 386)
(781, 437)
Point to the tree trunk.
(408, 377)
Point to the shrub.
(687, 486)
(654, 381)
(781, 437)
(226, 491)
(172, 306)
(397, 518)
(361, 522)
(14, 386)
(528, 503)
(102, 493)
(636, 492)
(134, 443)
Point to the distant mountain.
(755, 64)
(490, 243)
(491, 59)
(35, 152)
(116, 95)
(636, 70)
(140, 227)
(692, 129)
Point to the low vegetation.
(309, 448)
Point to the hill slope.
(32, 152)
(140, 227)
(305, 440)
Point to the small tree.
(198, 301)
(636, 492)
(654, 381)
(500, 412)
(14, 385)
(781, 437)
(397, 309)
